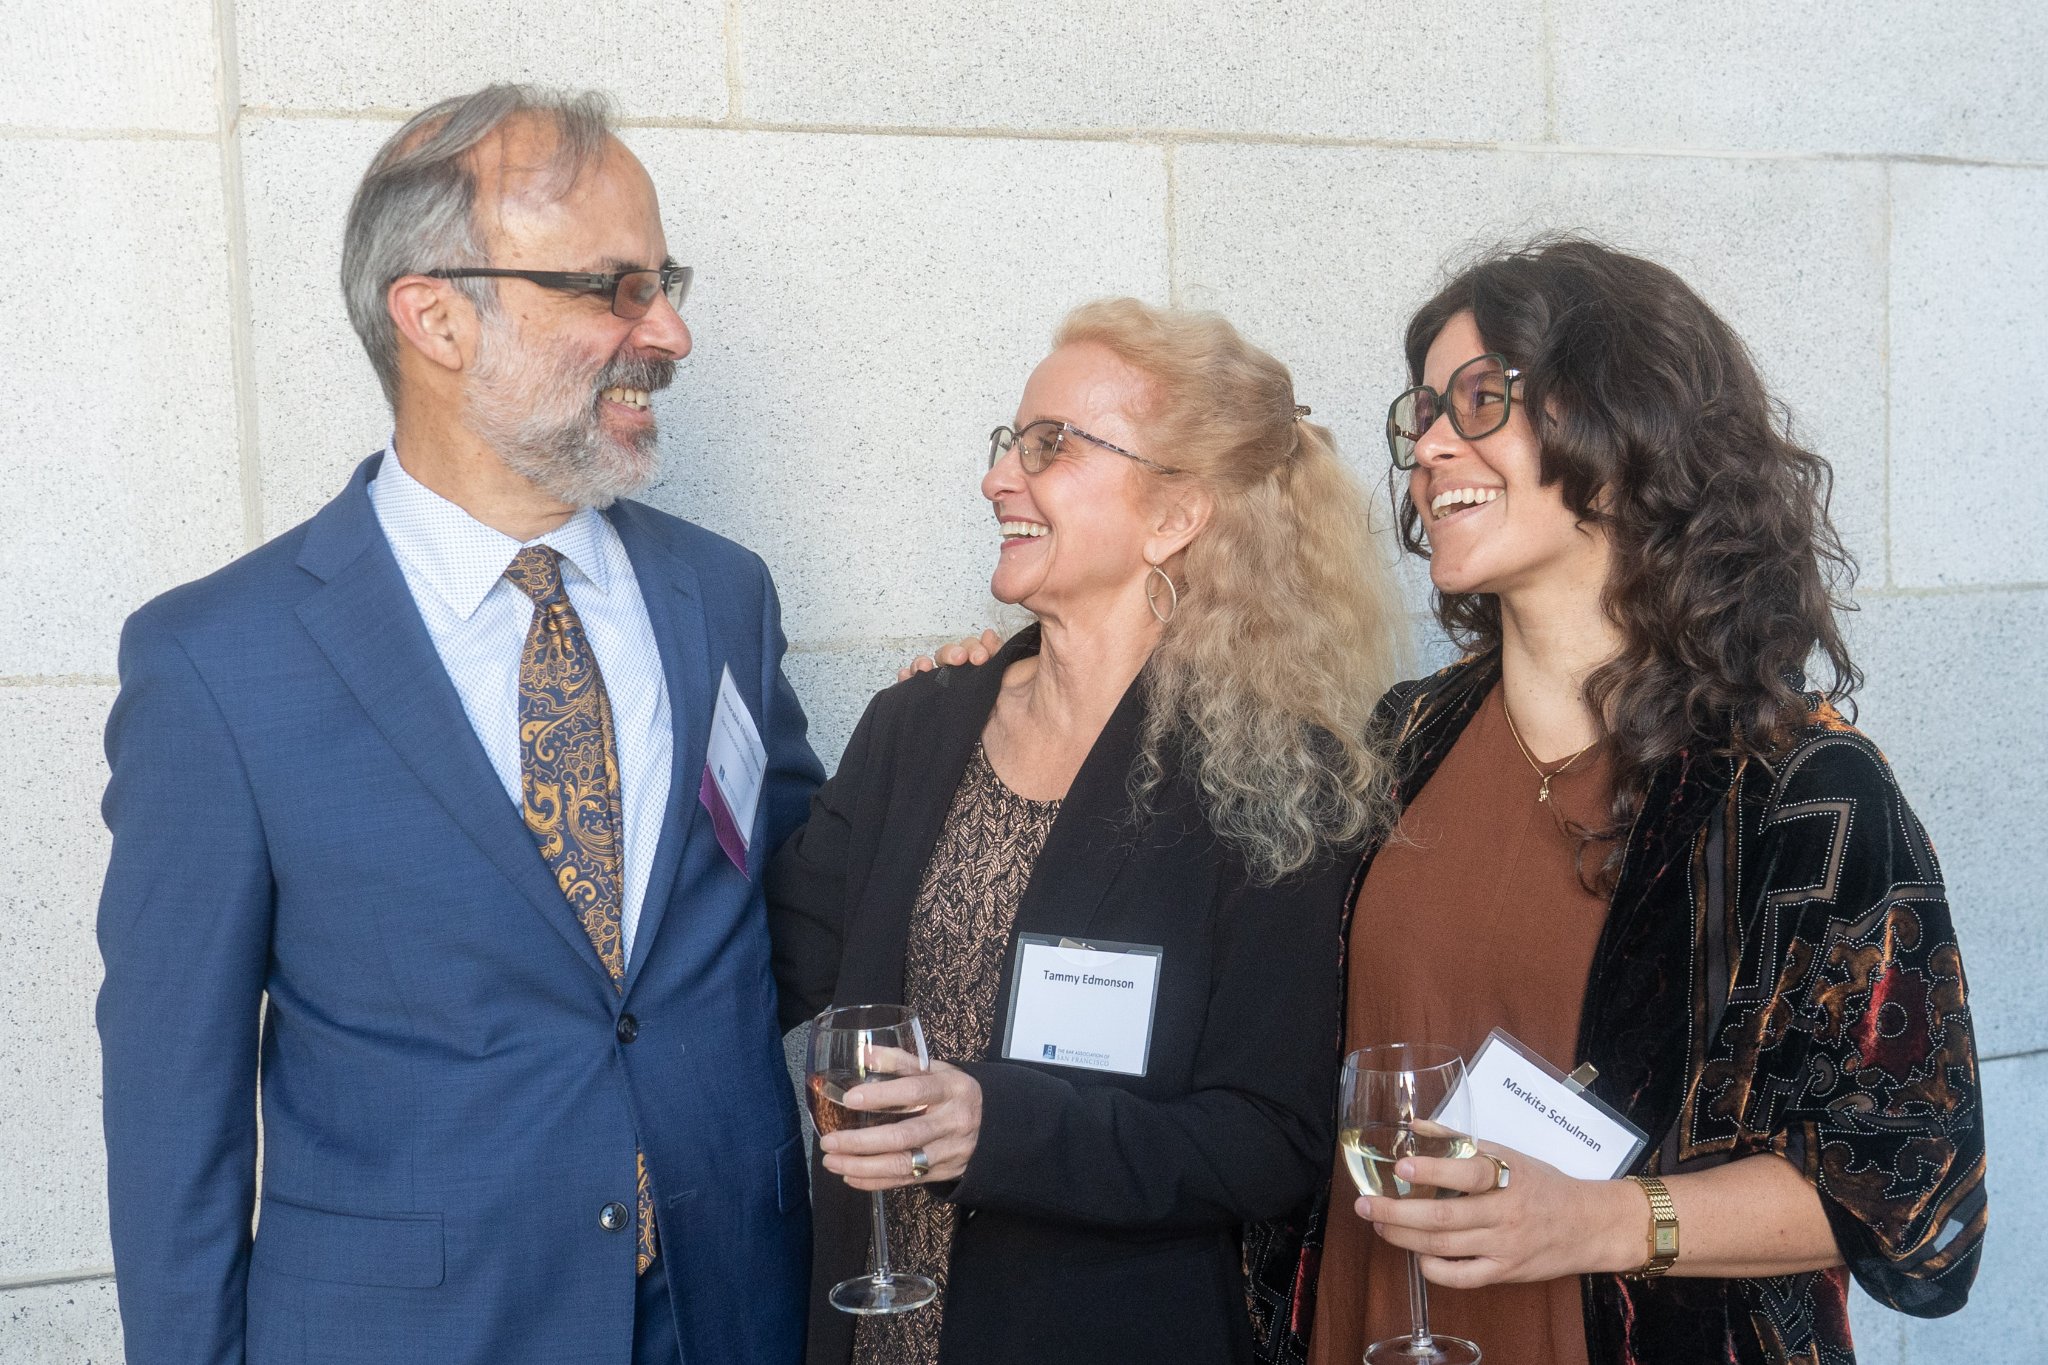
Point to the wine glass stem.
(1418, 1306)
(878, 1261)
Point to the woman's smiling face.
(1493, 525)
(1076, 531)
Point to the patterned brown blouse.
(952, 966)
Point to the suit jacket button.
(629, 1028)
(613, 1217)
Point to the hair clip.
(1300, 411)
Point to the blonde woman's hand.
(1545, 1225)
(879, 1158)
(968, 650)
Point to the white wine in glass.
(851, 1045)
(1406, 1099)
(1372, 1151)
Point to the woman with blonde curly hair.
(1171, 761)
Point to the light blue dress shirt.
(455, 567)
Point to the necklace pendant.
(1543, 793)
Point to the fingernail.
(1405, 1169)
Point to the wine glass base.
(1441, 1351)
(870, 1295)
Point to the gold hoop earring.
(1152, 596)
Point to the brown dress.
(952, 965)
(1475, 919)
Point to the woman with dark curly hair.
(1631, 840)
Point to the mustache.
(636, 373)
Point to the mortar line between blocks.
(1173, 291)
(1228, 137)
(60, 680)
(733, 90)
(1219, 136)
(39, 133)
(1549, 60)
(861, 644)
(234, 204)
(1947, 590)
(85, 1276)
(1885, 360)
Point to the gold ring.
(1501, 1171)
(920, 1164)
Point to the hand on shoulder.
(967, 650)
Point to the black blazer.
(1102, 1213)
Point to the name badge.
(1086, 1005)
(734, 764)
(1522, 1102)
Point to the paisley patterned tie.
(569, 782)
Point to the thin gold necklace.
(1543, 792)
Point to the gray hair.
(416, 208)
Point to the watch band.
(1663, 1236)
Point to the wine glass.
(1406, 1099)
(851, 1044)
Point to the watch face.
(1667, 1241)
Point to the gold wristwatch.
(1663, 1229)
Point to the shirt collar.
(458, 557)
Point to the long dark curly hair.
(1652, 419)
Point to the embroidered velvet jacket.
(1777, 973)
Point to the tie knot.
(537, 572)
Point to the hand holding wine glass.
(932, 1128)
(1540, 1224)
(829, 1089)
(851, 1046)
(1401, 1103)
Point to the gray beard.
(537, 407)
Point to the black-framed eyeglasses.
(1037, 443)
(632, 292)
(1478, 396)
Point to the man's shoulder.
(247, 593)
(235, 597)
(703, 550)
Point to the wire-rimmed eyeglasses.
(1037, 443)
(632, 292)
(1478, 396)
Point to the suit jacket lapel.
(925, 778)
(675, 611)
(365, 622)
(1087, 846)
(1094, 833)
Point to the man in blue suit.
(439, 820)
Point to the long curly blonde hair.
(1289, 626)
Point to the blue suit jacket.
(301, 812)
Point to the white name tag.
(1521, 1102)
(1086, 1005)
(734, 763)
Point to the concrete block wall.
(889, 207)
